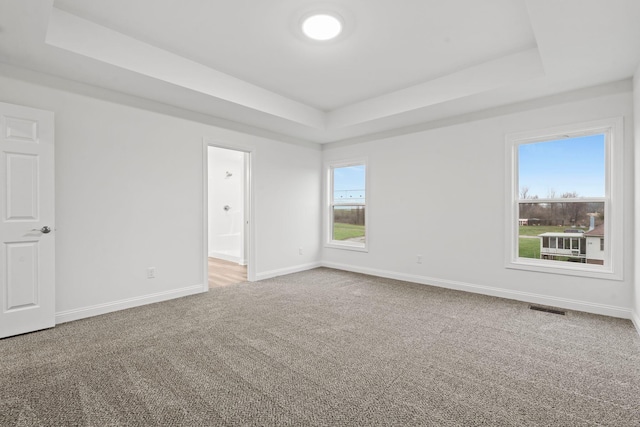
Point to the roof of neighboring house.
(596, 232)
(553, 234)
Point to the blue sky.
(565, 165)
(349, 178)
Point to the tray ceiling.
(397, 64)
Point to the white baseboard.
(569, 304)
(635, 318)
(95, 310)
(227, 257)
(282, 271)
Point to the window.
(563, 196)
(347, 217)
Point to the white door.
(27, 247)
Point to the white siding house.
(595, 245)
(564, 245)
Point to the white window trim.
(328, 217)
(614, 142)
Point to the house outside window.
(347, 205)
(564, 200)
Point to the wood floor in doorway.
(223, 273)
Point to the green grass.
(347, 231)
(529, 248)
(534, 230)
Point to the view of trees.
(563, 213)
(348, 223)
(349, 215)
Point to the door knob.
(43, 230)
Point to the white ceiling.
(396, 65)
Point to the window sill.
(560, 267)
(346, 246)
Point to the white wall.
(226, 189)
(440, 193)
(129, 195)
(129, 186)
(636, 111)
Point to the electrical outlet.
(151, 273)
(419, 259)
(300, 251)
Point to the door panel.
(22, 275)
(21, 130)
(27, 255)
(22, 187)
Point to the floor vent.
(548, 310)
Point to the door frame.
(249, 203)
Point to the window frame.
(340, 244)
(612, 128)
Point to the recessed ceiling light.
(322, 27)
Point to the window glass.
(561, 195)
(564, 199)
(348, 205)
(562, 169)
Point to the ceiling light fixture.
(322, 27)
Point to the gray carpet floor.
(325, 347)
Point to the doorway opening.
(228, 205)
